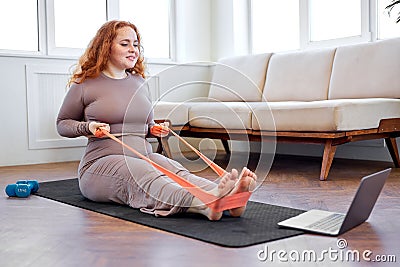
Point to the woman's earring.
(141, 50)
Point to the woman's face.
(124, 50)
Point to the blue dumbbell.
(22, 188)
(33, 183)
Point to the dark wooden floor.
(40, 232)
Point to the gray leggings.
(135, 182)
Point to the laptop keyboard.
(329, 223)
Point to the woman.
(108, 79)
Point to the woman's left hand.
(160, 130)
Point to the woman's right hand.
(160, 130)
(94, 126)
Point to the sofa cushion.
(221, 115)
(299, 76)
(325, 115)
(239, 78)
(367, 70)
(176, 112)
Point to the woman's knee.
(106, 180)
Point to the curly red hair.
(97, 54)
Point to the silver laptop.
(332, 223)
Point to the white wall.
(209, 30)
(230, 24)
(14, 116)
(193, 26)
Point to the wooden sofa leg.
(159, 147)
(393, 150)
(329, 153)
(226, 146)
(164, 146)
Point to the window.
(152, 17)
(19, 30)
(387, 28)
(267, 35)
(73, 23)
(65, 27)
(334, 19)
(293, 24)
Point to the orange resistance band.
(217, 169)
(217, 204)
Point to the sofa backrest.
(239, 78)
(299, 76)
(366, 70)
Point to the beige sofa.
(327, 96)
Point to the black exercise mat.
(257, 225)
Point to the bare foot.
(225, 186)
(246, 183)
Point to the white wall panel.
(45, 91)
